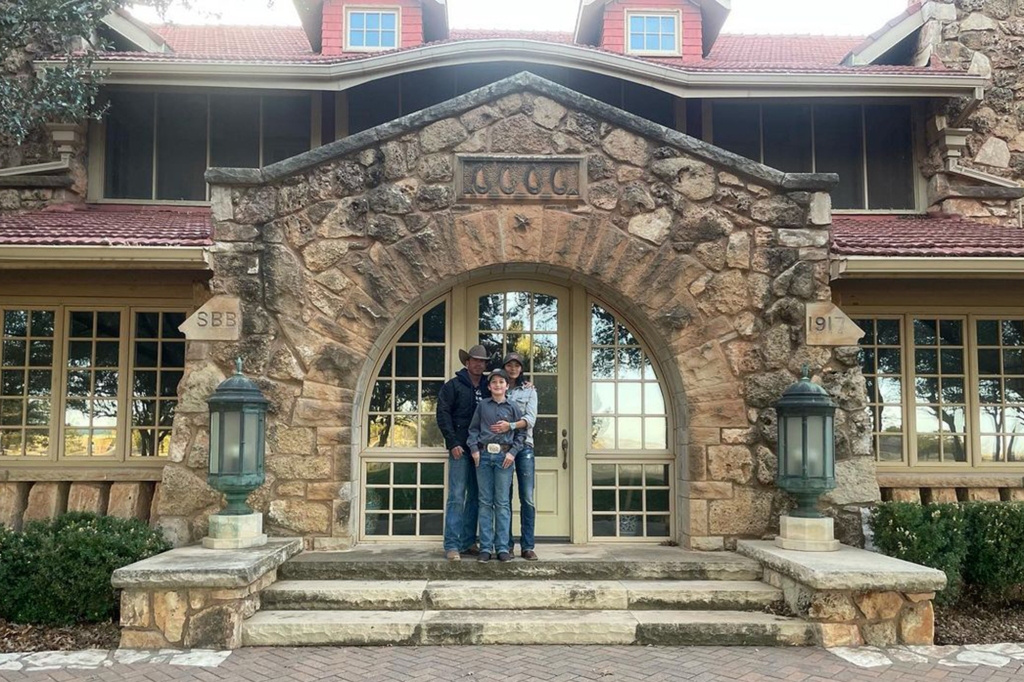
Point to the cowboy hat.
(478, 352)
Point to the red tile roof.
(254, 42)
(938, 236)
(108, 225)
(782, 49)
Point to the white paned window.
(372, 29)
(650, 33)
(630, 500)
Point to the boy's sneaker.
(452, 555)
(484, 557)
(529, 555)
(504, 556)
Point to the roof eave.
(866, 267)
(713, 16)
(136, 32)
(311, 16)
(674, 80)
(25, 256)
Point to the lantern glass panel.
(830, 449)
(215, 454)
(232, 442)
(794, 445)
(251, 442)
(815, 446)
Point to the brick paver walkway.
(519, 664)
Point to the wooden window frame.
(677, 17)
(911, 463)
(122, 459)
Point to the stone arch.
(654, 340)
(710, 256)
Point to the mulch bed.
(16, 638)
(971, 622)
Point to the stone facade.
(710, 257)
(984, 37)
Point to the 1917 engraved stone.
(543, 178)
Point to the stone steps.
(404, 595)
(380, 628)
(678, 565)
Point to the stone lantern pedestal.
(236, 531)
(807, 534)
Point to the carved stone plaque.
(520, 178)
(220, 319)
(827, 325)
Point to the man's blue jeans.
(495, 504)
(460, 512)
(525, 465)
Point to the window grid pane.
(158, 362)
(26, 377)
(940, 398)
(881, 364)
(91, 387)
(653, 33)
(404, 498)
(377, 30)
(1000, 349)
(403, 400)
(630, 500)
(527, 323)
(627, 405)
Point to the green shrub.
(995, 560)
(932, 535)
(58, 572)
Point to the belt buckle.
(493, 448)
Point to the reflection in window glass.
(91, 409)
(630, 500)
(26, 377)
(1000, 384)
(157, 367)
(627, 406)
(403, 398)
(880, 357)
(403, 498)
(939, 395)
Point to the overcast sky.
(748, 16)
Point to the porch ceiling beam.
(97, 257)
(679, 82)
(850, 267)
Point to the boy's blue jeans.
(525, 465)
(494, 484)
(460, 512)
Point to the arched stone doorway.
(608, 453)
(708, 257)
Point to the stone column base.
(806, 534)
(238, 531)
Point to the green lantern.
(238, 412)
(807, 461)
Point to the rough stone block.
(879, 634)
(906, 495)
(13, 500)
(832, 606)
(880, 605)
(840, 634)
(88, 497)
(218, 627)
(983, 495)
(135, 609)
(917, 625)
(1016, 494)
(130, 500)
(169, 611)
(142, 639)
(707, 543)
(46, 501)
(941, 495)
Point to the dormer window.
(370, 30)
(653, 33)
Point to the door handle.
(565, 448)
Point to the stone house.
(643, 208)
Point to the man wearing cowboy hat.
(456, 404)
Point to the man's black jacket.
(455, 406)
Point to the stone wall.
(21, 502)
(710, 257)
(985, 37)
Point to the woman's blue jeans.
(525, 463)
